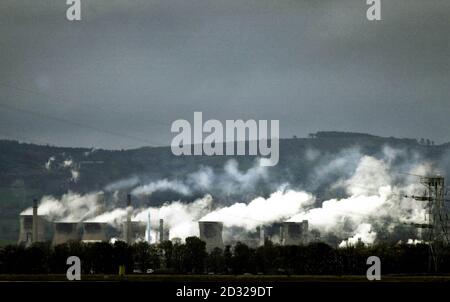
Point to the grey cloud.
(134, 67)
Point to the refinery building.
(38, 228)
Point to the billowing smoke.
(48, 164)
(203, 181)
(328, 168)
(279, 206)
(66, 163)
(71, 207)
(234, 180)
(114, 217)
(75, 175)
(181, 218)
(70, 164)
(372, 202)
(363, 234)
(414, 241)
(122, 184)
(162, 185)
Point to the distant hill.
(30, 171)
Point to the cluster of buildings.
(37, 228)
(286, 233)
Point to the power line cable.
(78, 124)
(59, 100)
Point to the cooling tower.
(66, 231)
(133, 231)
(94, 231)
(26, 229)
(294, 233)
(211, 233)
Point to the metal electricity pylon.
(437, 224)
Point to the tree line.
(192, 257)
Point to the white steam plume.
(48, 164)
(373, 198)
(72, 207)
(278, 206)
(181, 218)
(66, 164)
(373, 188)
(122, 184)
(162, 185)
(364, 233)
(70, 164)
(205, 180)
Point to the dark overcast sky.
(119, 77)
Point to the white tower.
(148, 231)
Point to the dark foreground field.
(222, 287)
(230, 278)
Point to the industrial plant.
(35, 227)
(39, 228)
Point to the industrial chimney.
(161, 230)
(128, 224)
(262, 237)
(148, 229)
(35, 236)
(100, 204)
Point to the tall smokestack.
(261, 236)
(161, 230)
(149, 229)
(128, 224)
(100, 204)
(35, 221)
